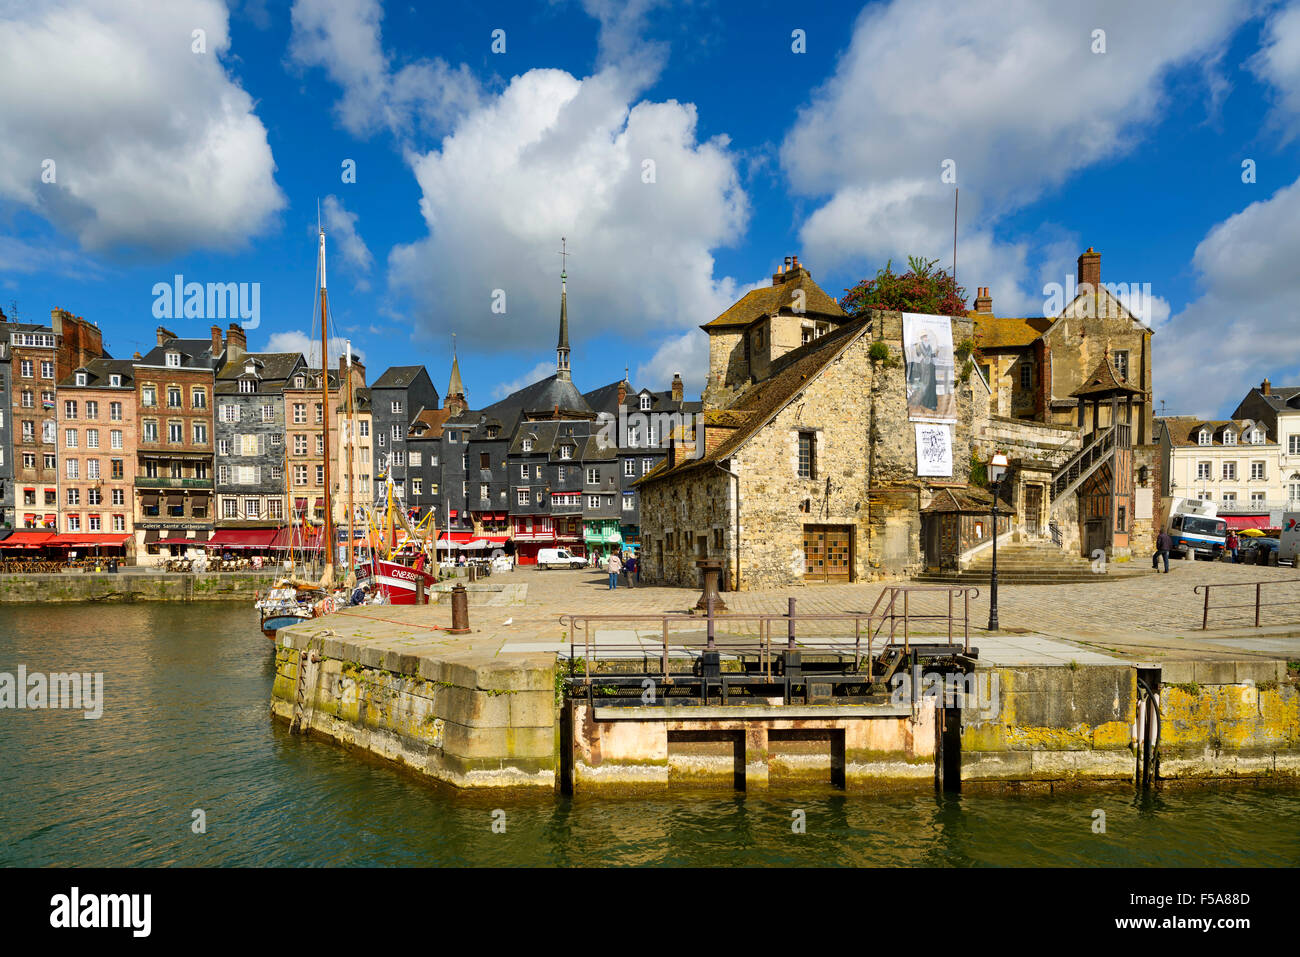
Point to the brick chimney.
(622, 391)
(983, 301)
(137, 357)
(1090, 269)
(164, 335)
(216, 340)
(236, 342)
(679, 391)
(1266, 388)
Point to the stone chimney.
(1266, 388)
(236, 342)
(983, 301)
(679, 391)
(216, 340)
(164, 335)
(1090, 269)
(137, 357)
(788, 270)
(622, 391)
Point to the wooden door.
(828, 553)
(1033, 506)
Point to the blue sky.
(470, 165)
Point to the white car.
(559, 558)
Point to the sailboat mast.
(325, 422)
(352, 475)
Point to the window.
(92, 409)
(151, 469)
(363, 428)
(1120, 359)
(1293, 444)
(116, 468)
(72, 469)
(277, 474)
(523, 470)
(1026, 375)
(115, 439)
(299, 382)
(380, 437)
(299, 444)
(1229, 470)
(119, 497)
(70, 409)
(175, 433)
(115, 411)
(48, 431)
(115, 381)
(807, 455)
(199, 398)
(1256, 498)
(320, 475)
(268, 413)
(223, 446)
(396, 407)
(1229, 437)
(229, 508)
(593, 501)
(1203, 437)
(149, 396)
(1293, 489)
(527, 445)
(1229, 499)
(629, 467)
(173, 359)
(647, 464)
(523, 496)
(29, 399)
(1257, 436)
(93, 497)
(1203, 469)
(645, 403)
(201, 433)
(92, 469)
(275, 508)
(173, 397)
(47, 369)
(29, 430)
(417, 486)
(228, 413)
(74, 523)
(81, 378)
(92, 438)
(29, 461)
(1256, 470)
(247, 385)
(320, 413)
(176, 469)
(26, 366)
(320, 443)
(253, 508)
(593, 476)
(566, 451)
(299, 413)
(300, 475)
(629, 501)
(70, 438)
(399, 458)
(483, 492)
(275, 440)
(119, 522)
(397, 433)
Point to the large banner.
(933, 449)
(931, 371)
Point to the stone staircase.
(1033, 563)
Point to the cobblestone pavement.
(1152, 615)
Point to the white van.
(1288, 549)
(559, 557)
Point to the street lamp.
(997, 469)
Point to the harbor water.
(186, 767)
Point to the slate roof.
(397, 377)
(970, 498)
(98, 371)
(273, 372)
(541, 396)
(195, 354)
(770, 300)
(1104, 381)
(1184, 431)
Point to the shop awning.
(149, 501)
(150, 536)
(89, 540)
(178, 540)
(455, 538)
(175, 501)
(296, 537)
(242, 538)
(28, 539)
(1247, 521)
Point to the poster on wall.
(933, 449)
(931, 371)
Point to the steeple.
(562, 347)
(456, 387)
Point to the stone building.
(804, 468)
(97, 429)
(1238, 464)
(250, 452)
(305, 435)
(1277, 409)
(6, 434)
(174, 384)
(396, 399)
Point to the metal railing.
(1256, 605)
(893, 608)
(1088, 458)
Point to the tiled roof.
(770, 300)
(1104, 381)
(969, 498)
(1184, 431)
(999, 332)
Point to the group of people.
(627, 565)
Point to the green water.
(186, 726)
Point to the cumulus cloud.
(1242, 328)
(344, 38)
(640, 199)
(309, 347)
(155, 147)
(1278, 64)
(1010, 92)
(539, 371)
(341, 231)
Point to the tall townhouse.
(174, 452)
(6, 437)
(396, 399)
(352, 452)
(97, 442)
(251, 485)
(35, 425)
(1278, 410)
(304, 410)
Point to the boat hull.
(399, 583)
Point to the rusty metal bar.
(712, 645)
(789, 642)
(1257, 588)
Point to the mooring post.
(459, 610)
(712, 644)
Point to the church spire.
(562, 346)
(456, 387)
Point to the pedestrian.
(633, 567)
(1164, 545)
(613, 566)
(626, 559)
(1233, 544)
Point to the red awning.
(242, 538)
(89, 540)
(455, 537)
(1247, 521)
(178, 540)
(28, 539)
(297, 537)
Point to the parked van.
(559, 558)
(1196, 529)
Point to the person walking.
(633, 566)
(613, 566)
(1164, 545)
(1233, 545)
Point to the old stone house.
(804, 465)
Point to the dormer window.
(299, 381)
(174, 360)
(527, 445)
(250, 369)
(115, 380)
(566, 451)
(1203, 437)
(1256, 436)
(246, 385)
(81, 378)
(1229, 437)
(645, 403)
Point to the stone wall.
(124, 586)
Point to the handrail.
(1257, 604)
(1085, 461)
(762, 645)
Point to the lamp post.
(996, 470)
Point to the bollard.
(459, 611)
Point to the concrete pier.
(131, 585)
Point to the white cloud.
(1009, 91)
(687, 355)
(155, 147)
(1242, 328)
(341, 231)
(557, 156)
(309, 346)
(343, 38)
(1278, 63)
(540, 371)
